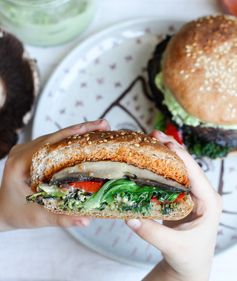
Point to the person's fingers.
(67, 221)
(78, 129)
(183, 223)
(44, 217)
(193, 167)
(164, 138)
(82, 128)
(198, 210)
(200, 185)
(153, 232)
(21, 155)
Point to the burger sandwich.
(111, 174)
(193, 78)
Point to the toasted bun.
(182, 211)
(200, 69)
(129, 147)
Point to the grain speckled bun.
(200, 69)
(129, 147)
(133, 149)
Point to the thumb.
(153, 232)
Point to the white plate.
(102, 78)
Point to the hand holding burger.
(85, 170)
(14, 211)
(186, 245)
(194, 236)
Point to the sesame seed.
(219, 72)
(137, 144)
(89, 142)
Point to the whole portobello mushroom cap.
(19, 85)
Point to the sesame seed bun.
(129, 147)
(200, 69)
(132, 148)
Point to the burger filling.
(90, 187)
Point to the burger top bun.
(200, 69)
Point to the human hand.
(14, 210)
(186, 245)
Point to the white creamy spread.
(112, 170)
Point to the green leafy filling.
(200, 147)
(138, 198)
(119, 194)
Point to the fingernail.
(134, 223)
(82, 222)
(103, 122)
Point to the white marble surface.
(50, 253)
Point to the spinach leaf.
(94, 202)
(141, 196)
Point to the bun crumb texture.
(130, 147)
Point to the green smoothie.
(46, 22)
